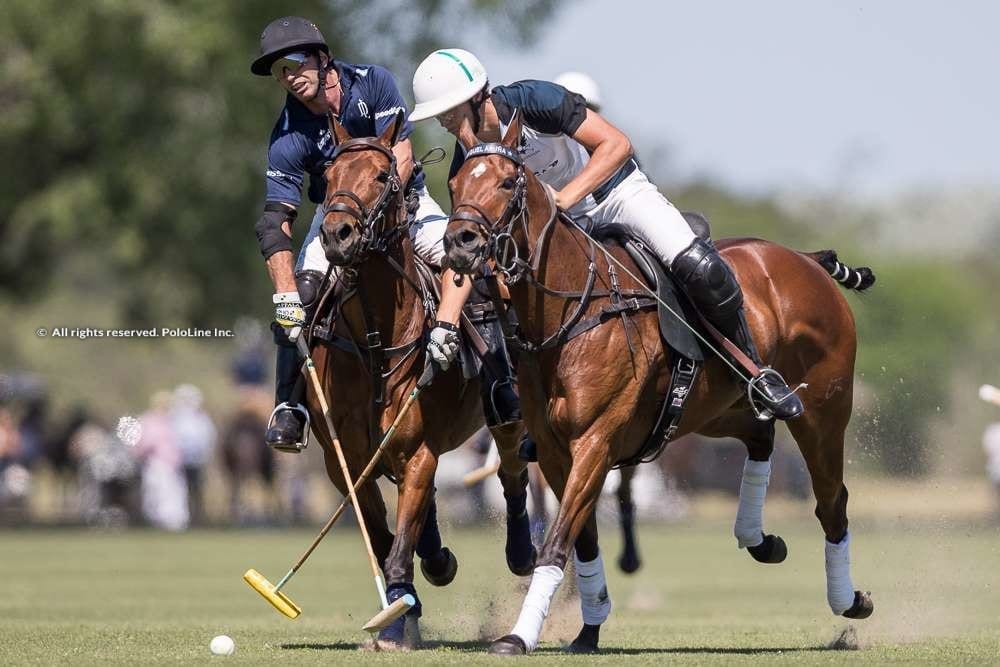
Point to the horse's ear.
(337, 131)
(391, 133)
(513, 134)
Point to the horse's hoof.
(386, 645)
(629, 563)
(526, 568)
(771, 550)
(862, 607)
(440, 569)
(586, 641)
(508, 645)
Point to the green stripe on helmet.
(460, 63)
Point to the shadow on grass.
(480, 647)
(717, 650)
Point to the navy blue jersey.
(301, 143)
(546, 107)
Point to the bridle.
(500, 242)
(374, 235)
(372, 352)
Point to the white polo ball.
(222, 645)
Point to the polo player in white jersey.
(589, 165)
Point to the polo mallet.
(490, 467)
(990, 394)
(272, 593)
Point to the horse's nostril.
(466, 238)
(343, 231)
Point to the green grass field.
(140, 597)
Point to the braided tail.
(858, 279)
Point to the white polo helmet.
(445, 79)
(578, 82)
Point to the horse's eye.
(382, 177)
(508, 184)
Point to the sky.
(866, 98)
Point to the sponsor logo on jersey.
(280, 175)
(324, 139)
(363, 108)
(388, 112)
(545, 169)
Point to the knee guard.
(708, 280)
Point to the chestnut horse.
(381, 293)
(592, 400)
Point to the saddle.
(676, 333)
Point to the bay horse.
(592, 400)
(377, 348)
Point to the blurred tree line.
(135, 137)
(134, 132)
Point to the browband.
(479, 150)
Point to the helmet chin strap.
(322, 87)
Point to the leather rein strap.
(515, 268)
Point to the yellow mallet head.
(279, 600)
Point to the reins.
(503, 247)
(376, 239)
(519, 269)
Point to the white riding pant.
(636, 205)
(427, 233)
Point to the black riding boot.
(287, 423)
(285, 429)
(710, 283)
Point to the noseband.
(498, 230)
(371, 220)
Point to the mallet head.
(279, 600)
(384, 618)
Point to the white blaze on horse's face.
(479, 170)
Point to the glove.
(443, 345)
(288, 310)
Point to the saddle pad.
(674, 331)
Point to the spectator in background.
(991, 444)
(10, 438)
(106, 475)
(195, 436)
(244, 458)
(59, 452)
(14, 478)
(164, 489)
(32, 429)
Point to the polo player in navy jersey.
(365, 100)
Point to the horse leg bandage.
(749, 529)
(595, 603)
(544, 583)
(839, 588)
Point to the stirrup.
(298, 446)
(760, 411)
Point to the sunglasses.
(291, 61)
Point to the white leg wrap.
(544, 583)
(750, 515)
(839, 588)
(595, 603)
